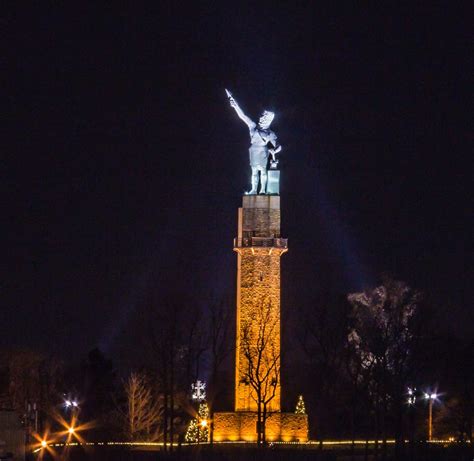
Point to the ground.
(275, 453)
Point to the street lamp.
(411, 400)
(71, 403)
(431, 398)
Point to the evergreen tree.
(198, 429)
(192, 433)
(300, 407)
(203, 422)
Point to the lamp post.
(203, 425)
(199, 395)
(411, 401)
(431, 398)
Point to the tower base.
(242, 425)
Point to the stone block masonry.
(259, 247)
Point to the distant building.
(12, 435)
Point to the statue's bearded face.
(266, 119)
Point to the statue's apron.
(258, 153)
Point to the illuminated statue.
(260, 138)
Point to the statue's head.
(266, 119)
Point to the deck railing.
(268, 242)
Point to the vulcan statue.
(263, 142)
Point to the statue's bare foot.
(251, 192)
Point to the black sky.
(125, 164)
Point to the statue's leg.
(263, 180)
(254, 180)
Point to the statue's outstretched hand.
(240, 113)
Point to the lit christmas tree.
(300, 408)
(198, 429)
(203, 422)
(192, 433)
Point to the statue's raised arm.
(247, 120)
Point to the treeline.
(353, 358)
(371, 357)
(145, 394)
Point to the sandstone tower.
(259, 248)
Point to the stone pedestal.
(242, 425)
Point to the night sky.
(125, 164)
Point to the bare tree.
(260, 348)
(169, 331)
(143, 414)
(32, 384)
(218, 329)
(382, 339)
(323, 338)
(195, 344)
(164, 338)
(32, 377)
(456, 414)
(219, 347)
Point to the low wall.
(242, 425)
